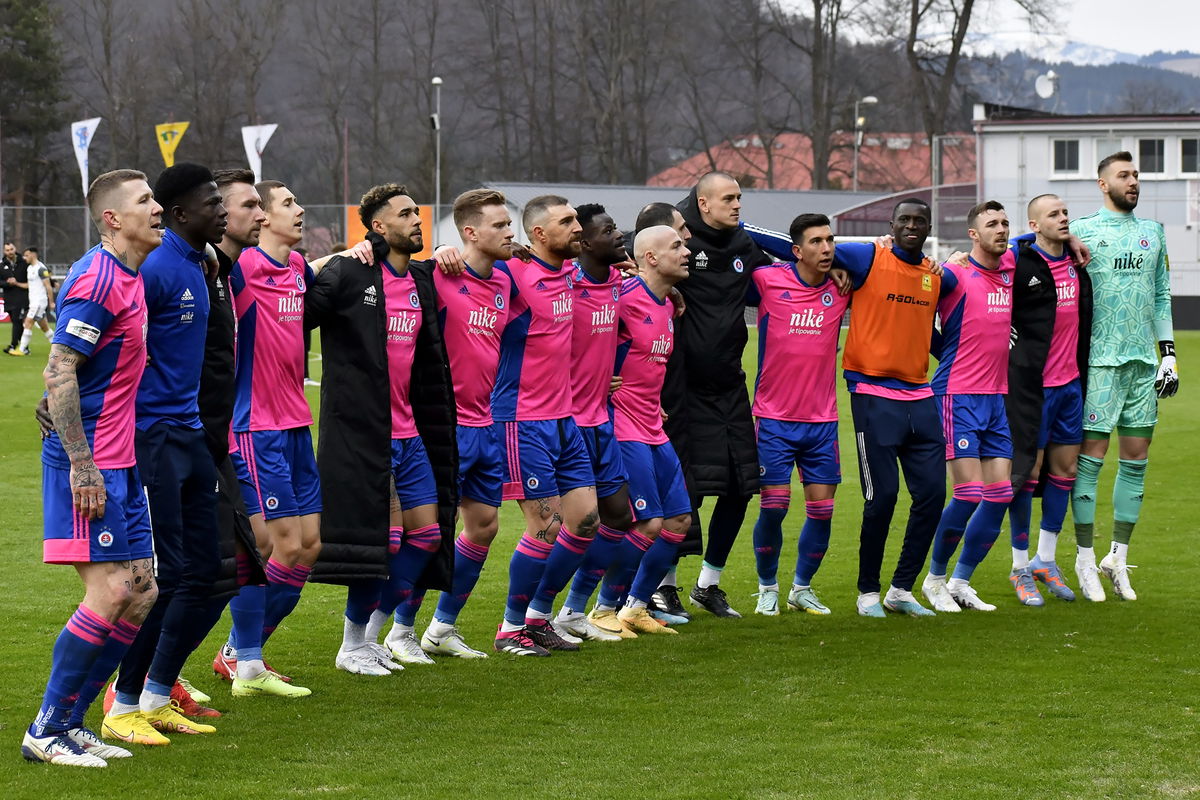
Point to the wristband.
(1166, 348)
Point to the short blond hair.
(100, 193)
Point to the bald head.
(655, 239)
(719, 198)
(1039, 202)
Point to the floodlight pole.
(869, 100)
(436, 119)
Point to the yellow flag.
(168, 135)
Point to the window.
(1189, 155)
(1152, 155)
(1105, 147)
(1066, 155)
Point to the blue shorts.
(975, 426)
(278, 473)
(543, 458)
(605, 454)
(415, 485)
(1062, 415)
(480, 466)
(811, 446)
(656, 485)
(122, 534)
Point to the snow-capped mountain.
(1050, 47)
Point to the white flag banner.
(81, 139)
(255, 138)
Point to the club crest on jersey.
(827, 299)
(616, 294)
(499, 301)
(962, 444)
(1004, 276)
(1144, 243)
(738, 266)
(532, 482)
(413, 300)
(1092, 417)
(670, 326)
(762, 471)
(105, 539)
(570, 283)
(1071, 271)
(299, 282)
(272, 503)
(927, 283)
(640, 504)
(701, 260)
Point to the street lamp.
(436, 120)
(869, 100)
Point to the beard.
(1121, 201)
(404, 244)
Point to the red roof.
(887, 162)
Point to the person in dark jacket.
(16, 294)
(705, 396)
(358, 456)
(1047, 368)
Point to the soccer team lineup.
(588, 380)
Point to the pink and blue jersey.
(533, 381)
(645, 338)
(593, 345)
(798, 328)
(268, 298)
(472, 311)
(102, 314)
(976, 318)
(403, 307)
(1062, 362)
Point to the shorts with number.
(975, 426)
(1120, 397)
(37, 310)
(278, 473)
(605, 454)
(122, 534)
(656, 485)
(543, 458)
(811, 446)
(480, 466)
(1062, 415)
(412, 473)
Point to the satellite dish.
(1046, 85)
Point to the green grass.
(1071, 700)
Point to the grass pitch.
(1070, 700)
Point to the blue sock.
(655, 563)
(983, 528)
(602, 553)
(768, 542)
(814, 540)
(247, 608)
(115, 648)
(75, 652)
(283, 593)
(524, 574)
(468, 564)
(618, 579)
(406, 612)
(1020, 516)
(1055, 498)
(362, 598)
(954, 520)
(564, 559)
(407, 564)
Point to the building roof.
(887, 161)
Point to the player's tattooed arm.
(62, 397)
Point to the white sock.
(1047, 545)
(531, 614)
(1085, 554)
(123, 708)
(375, 625)
(49, 334)
(937, 577)
(1120, 551)
(25, 339)
(709, 576)
(437, 628)
(774, 587)
(565, 614)
(956, 583)
(602, 607)
(1020, 558)
(149, 701)
(354, 634)
(798, 588)
(631, 602)
(508, 627)
(670, 579)
(250, 669)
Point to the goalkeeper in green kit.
(1131, 295)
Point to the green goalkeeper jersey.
(1131, 287)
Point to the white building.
(1023, 153)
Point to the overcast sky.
(1132, 26)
